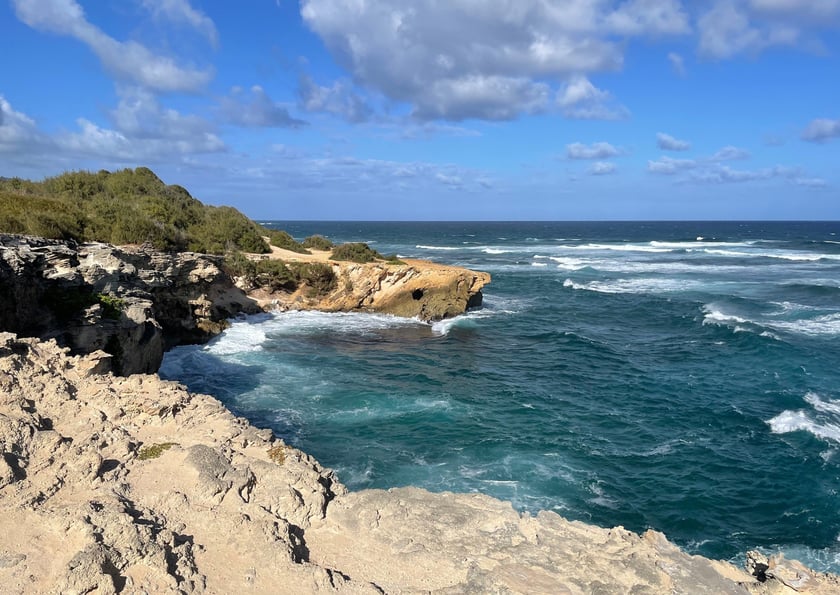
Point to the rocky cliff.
(134, 485)
(413, 289)
(132, 302)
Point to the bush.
(317, 243)
(355, 252)
(131, 206)
(283, 240)
(319, 277)
(236, 264)
(275, 275)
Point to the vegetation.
(131, 206)
(317, 243)
(69, 302)
(283, 240)
(277, 453)
(154, 451)
(355, 252)
(281, 276)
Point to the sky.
(437, 110)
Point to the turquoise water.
(677, 376)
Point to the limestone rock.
(132, 484)
(129, 302)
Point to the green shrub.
(275, 275)
(130, 206)
(355, 252)
(317, 242)
(283, 240)
(236, 264)
(318, 276)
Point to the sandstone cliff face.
(417, 289)
(133, 303)
(112, 485)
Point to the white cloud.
(494, 59)
(668, 165)
(18, 132)
(666, 142)
(710, 170)
(340, 100)
(180, 11)
(126, 60)
(677, 63)
(602, 168)
(594, 151)
(732, 27)
(256, 110)
(821, 130)
(730, 153)
(649, 17)
(140, 115)
(581, 100)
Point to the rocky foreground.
(131, 484)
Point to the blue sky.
(430, 110)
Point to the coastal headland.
(113, 480)
(130, 483)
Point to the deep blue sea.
(677, 376)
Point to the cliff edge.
(111, 485)
(410, 288)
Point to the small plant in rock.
(277, 453)
(154, 451)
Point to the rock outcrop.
(131, 302)
(134, 485)
(415, 289)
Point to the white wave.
(823, 405)
(539, 264)
(619, 247)
(242, 336)
(636, 285)
(495, 251)
(828, 324)
(570, 264)
(697, 244)
(423, 247)
(715, 316)
(794, 421)
(778, 254)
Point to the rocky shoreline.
(132, 484)
(113, 484)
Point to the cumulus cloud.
(666, 142)
(594, 151)
(128, 60)
(821, 130)
(339, 100)
(668, 165)
(18, 132)
(580, 99)
(492, 60)
(732, 27)
(710, 170)
(255, 109)
(602, 168)
(180, 11)
(730, 153)
(140, 115)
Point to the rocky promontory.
(135, 302)
(134, 485)
(409, 288)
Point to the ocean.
(683, 377)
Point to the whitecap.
(423, 247)
(793, 421)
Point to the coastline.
(156, 489)
(134, 484)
